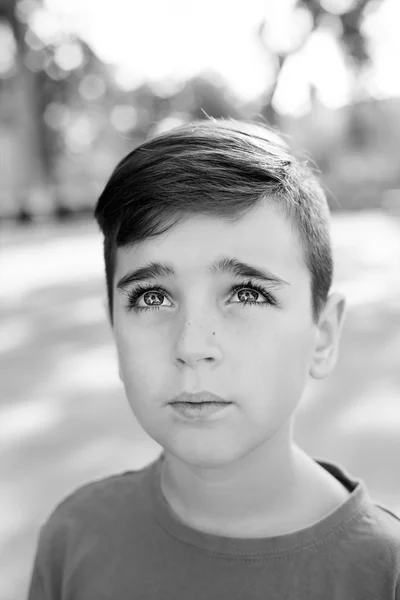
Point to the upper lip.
(198, 397)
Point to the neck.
(258, 487)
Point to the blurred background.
(81, 83)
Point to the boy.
(219, 268)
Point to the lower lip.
(204, 410)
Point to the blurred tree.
(28, 128)
(314, 13)
(72, 118)
(45, 87)
(200, 97)
(210, 98)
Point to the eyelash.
(135, 294)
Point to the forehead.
(263, 237)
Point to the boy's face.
(202, 336)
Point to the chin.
(203, 454)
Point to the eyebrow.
(223, 264)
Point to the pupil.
(246, 293)
(151, 297)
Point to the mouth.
(194, 404)
(203, 397)
(200, 411)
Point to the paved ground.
(63, 416)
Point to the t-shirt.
(118, 539)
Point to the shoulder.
(388, 525)
(102, 491)
(97, 505)
(84, 529)
(378, 529)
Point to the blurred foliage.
(352, 39)
(67, 121)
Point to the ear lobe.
(328, 337)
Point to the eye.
(256, 290)
(153, 295)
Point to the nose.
(196, 343)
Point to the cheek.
(141, 359)
(275, 382)
(281, 360)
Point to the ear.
(329, 329)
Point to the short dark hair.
(217, 167)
